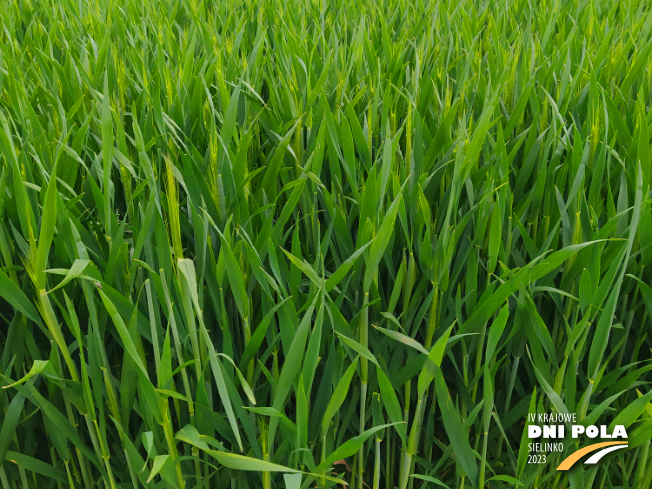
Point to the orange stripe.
(574, 457)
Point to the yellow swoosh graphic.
(574, 457)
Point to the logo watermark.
(549, 432)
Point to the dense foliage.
(277, 243)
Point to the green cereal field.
(297, 244)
